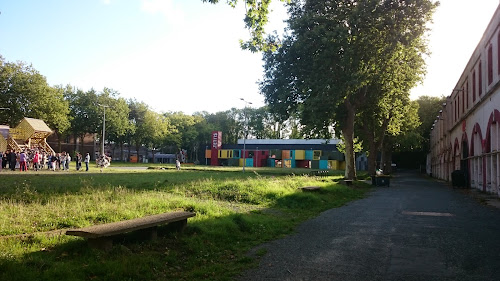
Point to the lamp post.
(246, 131)
(206, 159)
(103, 127)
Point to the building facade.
(465, 135)
(289, 153)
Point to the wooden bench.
(100, 236)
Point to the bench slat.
(110, 229)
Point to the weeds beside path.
(235, 212)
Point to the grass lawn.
(235, 212)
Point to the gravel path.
(417, 229)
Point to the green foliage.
(341, 56)
(25, 92)
(256, 18)
(358, 145)
(427, 111)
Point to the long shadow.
(209, 249)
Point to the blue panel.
(323, 164)
(309, 155)
(236, 153)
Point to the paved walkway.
(417, 229)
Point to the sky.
(184, 55)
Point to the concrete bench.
(100, 236)
(348, 182)
(310, 188)
(320, 173)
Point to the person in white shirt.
(87, 160)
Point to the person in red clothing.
(36, 161)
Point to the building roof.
(288, 142)
(38, 125)
(4, 131)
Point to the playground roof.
(38, 125)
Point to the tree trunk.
(348, 133)
(59, 145)
(386, 161)
(129, 145)
(82, 144)
(75, 142)
(137, 146)
(372, 156)
(121, 150)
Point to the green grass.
(235, 212)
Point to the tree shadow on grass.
(211, 248)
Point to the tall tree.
(118, 124)
(25, 92)
(226, 121)
(334, 51)
(137, 117)
(84, 111)
(428, 110)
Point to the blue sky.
(184, 55)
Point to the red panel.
(216, 145)
(302, 163)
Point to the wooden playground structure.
(29, 134)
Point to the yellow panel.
(342, 165)
(208, 153)
(300, 154)
(3, 144)
(241, 162)
(225, 153)
(334, 164)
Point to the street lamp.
(103, 127)
(246, 131)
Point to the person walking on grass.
(177, 164)
(87, 161)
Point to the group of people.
(38, 159)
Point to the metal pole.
(103, 129)
(244, 138)
(246, 132)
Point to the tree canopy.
(337, 52)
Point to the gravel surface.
(417, 229)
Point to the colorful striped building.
(289, 153)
